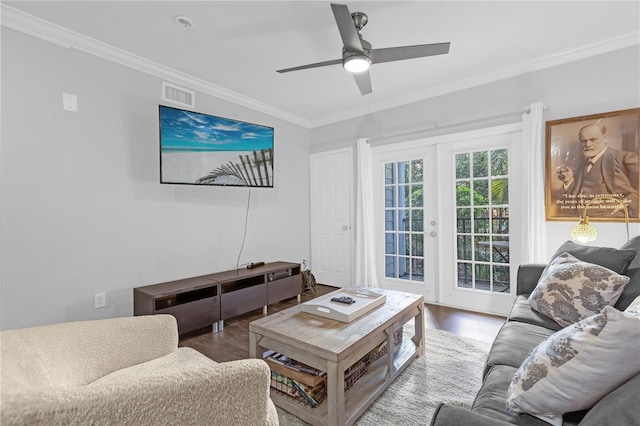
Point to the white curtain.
(533, 227)
(365, 265)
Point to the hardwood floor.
(232, 342)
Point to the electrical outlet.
(100, 300)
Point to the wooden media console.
(210, 299)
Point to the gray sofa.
(523, 330)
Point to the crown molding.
(36, 27)
(17, 20)
(536, 64)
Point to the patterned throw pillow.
(577, 366)
(570, 290)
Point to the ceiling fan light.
(356, 63)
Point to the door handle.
(433, 234)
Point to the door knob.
(433, 233)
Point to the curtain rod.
(526, 110)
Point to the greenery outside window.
(482, 220)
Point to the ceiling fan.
(357, 54)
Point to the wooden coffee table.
(333, 346)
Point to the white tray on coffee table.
(366, 300)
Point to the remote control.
(344, 299)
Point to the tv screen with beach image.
(202, 149)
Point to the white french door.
(406, 219)
(446, 210)
(331, 191)
(481, 215)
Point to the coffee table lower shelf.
(363, 392)
(333, 346)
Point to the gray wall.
(604, 83)
(82, 208)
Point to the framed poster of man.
(591, 157)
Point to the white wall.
(608, 82)
(82, 208)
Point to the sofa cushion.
(490, 400)
(620, 407)
(617, 260)
(570, 290)
(514, 342)
(577, 366)
(633, 244)
(521, 311)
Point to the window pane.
(481, 192)
(465, 277)
(417, 245)
(403, 172)
(404, 267)
(403, 195)
(483, 276)
(416, 195)
(417, 273)
(389, 220)
(417, 220)
(482, 252)
(416, 171)
(463, 189)
(501, 279)
(499, 162)
(464, 247)
(464, 220)
(500, 249)
(403, 219)
(462, 166)
(389, 196)
(481, 220)
(389, 175)
(403, 244)
(390, 266)
(480, 164)
(389, 243)
(500, 220)
(499, 191)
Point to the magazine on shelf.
(291, 363)
(310, 395)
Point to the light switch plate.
(69, 102)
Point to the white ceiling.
(235, 47)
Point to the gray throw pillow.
(633, 244)
(617, 260)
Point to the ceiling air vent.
(178, 95)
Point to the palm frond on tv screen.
(202, 149)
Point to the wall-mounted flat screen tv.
(202, 149)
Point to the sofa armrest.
(528, 276)
(447, 415)
(189, 391)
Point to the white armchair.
(125, 371)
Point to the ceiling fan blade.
(350, 37)
(363, 80)
(316, 65)
(391, 54)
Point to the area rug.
(449, 372)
